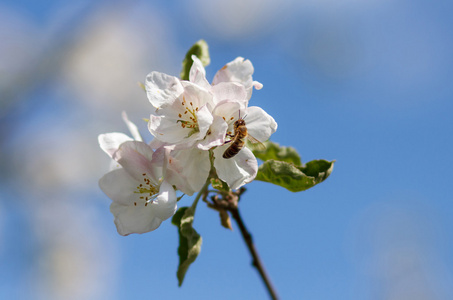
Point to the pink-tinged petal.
(238, 70)
(164, 206)
(257, 85)
(192, 165)
(110, 142)
(119, 186)
(132, 127)
(173, 169)
(156, 143)
(229, 91)
(197, 73)
(216, 134)
(238, 170)
(162, 89)
(134, 218)
(135, 157)
(259, 124)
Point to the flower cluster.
(193, 123)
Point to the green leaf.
(189, 241)
(219, 185)
(200, 50)
(292, 177)
(277, 152)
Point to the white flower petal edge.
(197, 73)
(136, 159)
(132, 127)
(119, 186)
(238, 70)
(238, 170)
(216, 134)
(162, 89)
(173, 170)
(193, 165)
(260, 125)
(229, 91)
(110, 142)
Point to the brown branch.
(228, 201)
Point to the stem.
(201, 192)
(256, 262)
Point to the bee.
(239, 139)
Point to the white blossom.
(141, 197)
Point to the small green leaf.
(295, 178)
(200, 50)
(189, 241)
(219, 185)
(142, 86)
(277, 152)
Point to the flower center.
(189, 117)
(148, 191)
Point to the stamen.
(148, 191)
(192, 121)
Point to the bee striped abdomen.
(234, 148)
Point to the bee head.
(239, 122)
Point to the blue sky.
(367, 83)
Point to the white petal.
(198, 95)
(134, 219)
(216, 134)
(257, 85)
(259, 124)
(132, 127)
(229, 110)
(173, 169)
(164, 206)
(119, 186)
(193, 165)
(238, 170)
(239, 70)
(110, 142)
(162, 89)
(205, 119)
(230, 91)
(135, 157)
(197, 73)
(167, 130)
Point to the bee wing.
(256, 145)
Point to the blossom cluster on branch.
(200, 136)
(192, 123)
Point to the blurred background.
(368, 83)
